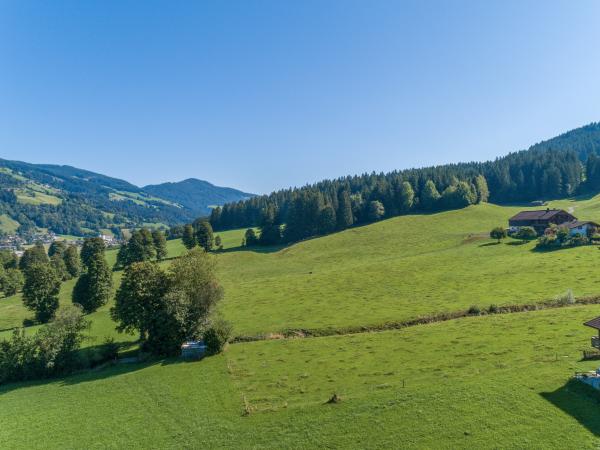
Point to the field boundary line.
(301, 333)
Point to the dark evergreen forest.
(560, 167)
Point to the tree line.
(293, 214)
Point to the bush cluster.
(169, 307)
(217, 336)
(559, 237)
(51, 351)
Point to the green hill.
(68, 200)
(478, 382)
(196, 195)
(400, 269)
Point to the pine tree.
(91, 247)
(204, 235)
(327, 220)
(160, 244)
(189, 237)
(344, 214)
(94, 286)
(215, 218)
(72, 263)
(140, 246)
(58, 263)
(270, 230)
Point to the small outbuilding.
(582, 227)
(193, 350)
(595, 324)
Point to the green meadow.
(492, 381)
(481, 382)
(399, 269)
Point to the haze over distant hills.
(69, 200)
(196, 195)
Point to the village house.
(582, 227)
(540, 219)
(109, 240)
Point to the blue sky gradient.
(261, 95)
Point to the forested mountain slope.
(196, 195)
(68, 200)
(559, 167)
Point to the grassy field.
(498, 381)
(7, 224)
(484, 382)
(398, 269)
(33, 197)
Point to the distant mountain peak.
(195, 194)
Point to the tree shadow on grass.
(104, 371)
(517, 243)
(489, 244)
(254, 249)
(578, 400)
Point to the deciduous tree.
(498, 233)
(41, 289)
(204, 235)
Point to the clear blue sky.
(260, 95)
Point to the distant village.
(17, 243)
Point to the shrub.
(578, 240)
(109, 349)
(217, 336)
(565, 299)
(474, 310)
(51, 351)
(12, 281)
(493, 309)
(498, 233)
(526, 234)
(107, 352)
(250, 238)
(375, 210)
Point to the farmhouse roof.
(539, 214)
(594, 323)
(580, 223)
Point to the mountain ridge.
(69, 200)
(185, 192)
